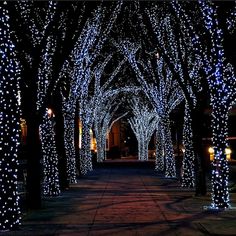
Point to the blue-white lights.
(9, 127)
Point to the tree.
(162, 90)
(10, 126)
(160, 151)
(83, 57)
(42, 29)
(186, 67)
(220, 78)
(222, 83)
(143, 123)
(104, 106)
(50, 157)
(188, 169)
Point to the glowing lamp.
(228, 152)
(211, 151)
(50, 112)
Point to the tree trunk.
(170, 169)
(50, 157)
(77, 141)
(33, 163)
(159, 163)
(188, 173)
(63, 182)
(69, 125)
(200, 168)
(220, 172)
(85, 157)
(100, 148)
(143, 149)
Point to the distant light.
(50, 112)
(228, 151)
(211, 150)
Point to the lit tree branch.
(165, 96)
(143, 123)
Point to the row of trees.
(55, 42)
(194, 53)
(66, 49)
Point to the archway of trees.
(64, 61)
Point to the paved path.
(127, 201)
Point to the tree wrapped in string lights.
(50, 157)
(9, 128)
(163, 92)
(143, 123)
(83, 58)
(42, 29)
(160, 151)
(107, 106)
(186, 66)
(222, 84)
(104, 106)
(35, 50)
(102, 119)
(188, 169)
(69, 133)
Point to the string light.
(50, 157)
(143, 123)
(160, 151)
(9, 127)
(186, 64)
(188, 173)
(165, 95)
(69, 107)
(92, 39)
(222, 83)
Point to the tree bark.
(200, 165)
(220, 172)
(33, 185)
(159, 163)
(170, 167)
(69, 125)
(188, 172)
(85, 157)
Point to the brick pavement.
(127, 201)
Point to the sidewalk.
(127, 201)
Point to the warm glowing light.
(50, 112)
(228, 151)
(211, 150)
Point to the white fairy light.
(143, 123)
(165, 95)
(222, 82)
(9, 128)
(90, 43)
(50, 157)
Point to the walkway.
(127, 201)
